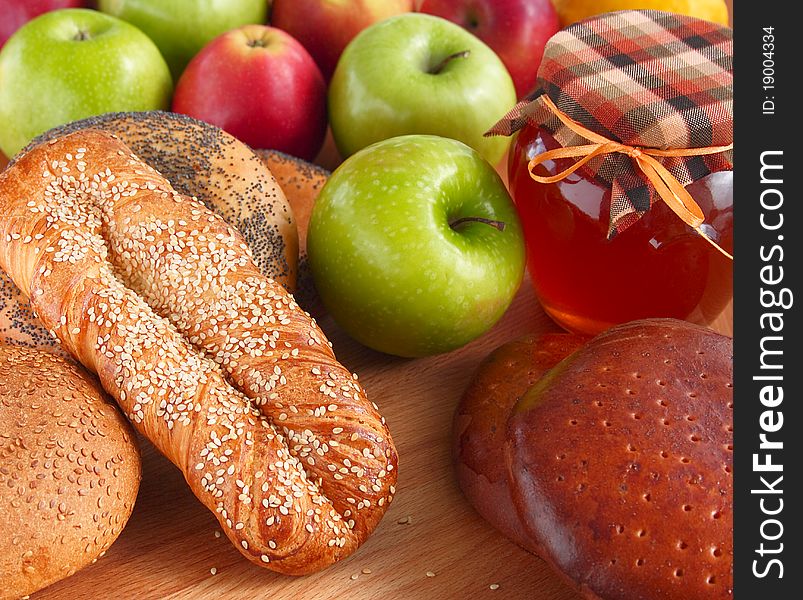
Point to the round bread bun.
(201, 160)
(301, 182)
(620, 463)
(69, 470)
(480, 422)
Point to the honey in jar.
(658, 267)
(622, 170)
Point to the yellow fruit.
(571, 11)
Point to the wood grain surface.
(169, 547)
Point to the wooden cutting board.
(430, 545)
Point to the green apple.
(414, 245)
(417, 73)
(74, 63)
(181, 28)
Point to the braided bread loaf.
(201, 160)
(210, 360)
(268, 203)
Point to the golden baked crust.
(301, 182)
(170, 151)
(167, 142)
(210, 360)
(69, 470)
(201, 160)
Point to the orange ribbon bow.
(671, 191)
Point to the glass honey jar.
(622, 171)
(657, 267)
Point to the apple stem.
(81, 36)
(442, 65)
(500, 225)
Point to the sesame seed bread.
(212, 361)
(69, 470)
(263, 219)
(201, 160)
(619, 464)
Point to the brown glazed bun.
(301, 182)
(69, 470)
(620, 462)
(201, 160)
(480, 422)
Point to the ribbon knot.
(669, 189)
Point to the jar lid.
(645, 79)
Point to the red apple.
(325, 27)
(15, 13)
(260, 85)
(517, 30)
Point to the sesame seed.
(430, 574)
(213, 570)
(494, 586)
